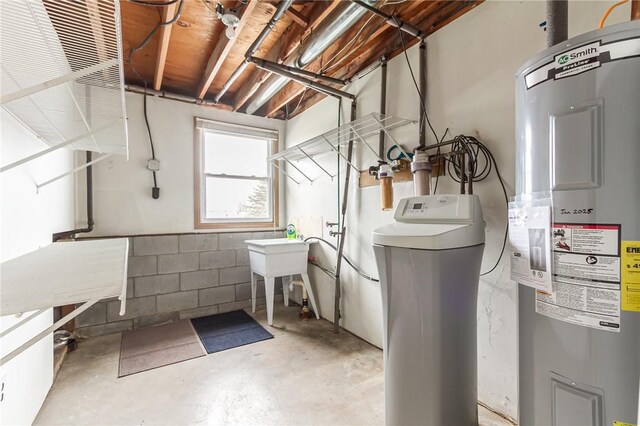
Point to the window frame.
(200, 220)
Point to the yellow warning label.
(630, 284)
(617, 423)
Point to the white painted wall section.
(471, 70)
(28, 221)
(122, 189)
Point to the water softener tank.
(578, 143)
(429, 265)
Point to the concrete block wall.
(177, 276)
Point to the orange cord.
(606, 14)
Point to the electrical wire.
(155, 191)
(413, 77)
(608, 12)
(146, 40)
(349, 262)
(482, 163)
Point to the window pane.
(237, 198)
(235, 155)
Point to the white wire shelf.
(62, 74)
(336, 141)
(63, 273)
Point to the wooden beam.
(297, 17)
(168, 13)
(222, 50)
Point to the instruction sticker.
(586, 276)
(530, 241)
(631, 276)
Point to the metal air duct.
(339, 21)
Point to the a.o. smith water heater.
(578, 142)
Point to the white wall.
(122, 189)
(28, 222)
(471, 68)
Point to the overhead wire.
(145, 41)
(413, 77)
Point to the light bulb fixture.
(229, 18)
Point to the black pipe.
(423, 91)
(557, 21)
(327, 90)
(313, 75)
(383, 107)
(66, 234)
(343, 231)
(392, 20)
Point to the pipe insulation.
(422, 51)
(557, 21)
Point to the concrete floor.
(306, 375)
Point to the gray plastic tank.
(578, 136)
(429, 265)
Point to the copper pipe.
(635, 10)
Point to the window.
(236, 186)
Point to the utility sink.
(278, 257)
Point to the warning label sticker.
(586, 276)
(631, 276)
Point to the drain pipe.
(423, 92)
(328, 90)
(168, 95)
(66, 234)
(280, 11)
(343, 231)
(557, 21)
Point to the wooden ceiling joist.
(297, 17)
(168, 13)
(221, 51)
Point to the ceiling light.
(229, 18)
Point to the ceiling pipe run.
(328, 90)
(557, 21)
(280, 11)
(340, 20)
(168, 95)
(276, 66)
(391, 20)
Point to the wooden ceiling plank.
(221, 51)
(168, 12)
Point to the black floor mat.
(229, 330)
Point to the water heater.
(578, 143)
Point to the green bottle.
(291, 231)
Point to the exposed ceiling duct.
(340, 20)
